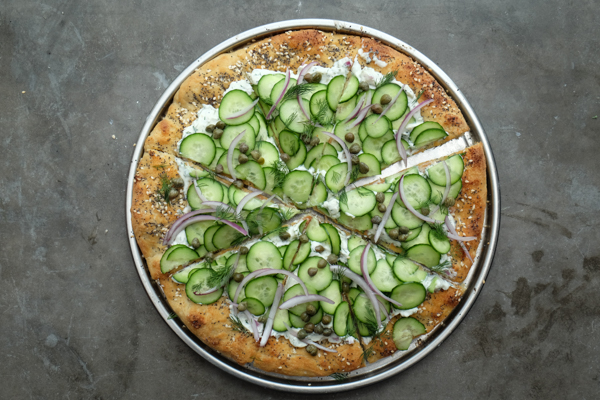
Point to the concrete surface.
(75, 322)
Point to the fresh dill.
(371, 324)
(387, 78)
(350, 328)
(279, 172)
(286, 214)
(297, 90)
(323, 114)
(227, 214)
(219, 277)
(335, 177)
(415, 102)
(438, 231)
(339, 376)
(343, 196)
(368, 352)
(441, 268)
(237, 325)
(160, 167)
(340, 274)
(308, 130)
(172, 316)
(290, 119)
(420, 94)
(165, 186)
(238, 240)
(354, 173)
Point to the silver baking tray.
(387, 367)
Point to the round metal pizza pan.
(390, 366)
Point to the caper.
(327, 331)
(385, 99)
(210, 128)
(326, 319)
(393, 233)
(403, 230)
(425, 210)
(195, 243)
(284, 235)
(305, 317)
(308, 78)
(238, 183)
(219, 169)
(319, 329)
(242, 306)
(209, 256)
(177, 182)
(255, 154)
(243, 159)
(306, 140)
(244, 148)
(402, 238)
(310, 327)
(355, 159)
(316, 77)
(173, 193)
(221, 125)
(319, 249)
(322, 263)
(243, 250)
(238, 277)
(302, 334)
(364, 86)
(303, 238)
(315, 141)
(311, 310)
(363, 168)
(376, 108)
(381, 207)
(217, 133)
(332, 258)
(261, 160)
(376, 219)
(312, 271)
(355, 148)
(345, 287)
(263, 318)
(312, 350)
(449, 202)
(285, 157)
(349, 137)
(380, 197)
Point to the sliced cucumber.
(315, 231)
(254, 306)
(320, 150)
(251, 171)
(196, 231)
(364, 311)
(371, 162)
(241, 267)
(198, 282)
(389, 151)
(354, 260)
(335, 178)
(335, 88)
(282, 318)
(198, 147)
(278, 88)
(263, 255)
(421, 238)
(232, 103)
(294, 255)
(437, 172)
(344, 109)
(342, 129)
(416, 190)
(208, 236)
(355, 241)
(318, 195)
(379, 128)
(292, 114)
(340, 319)
(440, 243)
(321, 279)
(235, 161)
(268, 152)
(231, 132)
(359, 223)
(297, 160)
(410, 295)
(430, 135)
(183, 255)
(408, 271)
(319, 107)
(326, 162)
(334, 238)
(424, 254)
(297, 186)
(405, 330)
(265, 85)
(383, 277)
(437, 192)
(417, 130)
(224, 236)
(268, 218)
(403, 217)
(334, 293)
(289, 142)
(297, 290)
(263, 289)
(210, 188)
(398, 109)
(374, 146)
(184, 275)
(359, 202)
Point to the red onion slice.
(360, 282)
(218, 204)
(365, 272)
(245, 200)
(184, 217)
(385, 110)
(446, 190)
(209, 291)
(401, 150)
(269, 325)
(234, 143)
(356, 110)
(454, 235)
(294, 301)
(363, 113)
(385, 217)
(302, 107)
(453, 231)
(243, 111)
(411, 208)
(346, 152)
(264, 272)
(305, 70)
(410, 114)
(308, 341)
(253, 325)
(198, 192)
(285, 87)
(174, 232)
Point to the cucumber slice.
(218, 154)
(232, 287)
(383, 277)
(231, 132)
(208, 236)
(364, 311)
(319, 151)
(297, 160)
(389, 151)
(255, 124)
(318, 132)
(297, 290)
(251, 171)
(241, 267)
(410, 295)
(292, 115)
(408, 271)
(380, 187)
(399, 108)
(166, 265)
(416, 190)
(321, 279)
(359, 223)
(344, 109)
(289, 142)
(430, 135)
(263, 255)
(265, 85)
(255, 306)
(278, 88)
(310, 89)
(198, 283)
(282, 318)
(354, 260)
(210, 188)
(424, 254)
(350, 89)
(437, 192)
(403, 217)
(326, 162)
(234, 102)
(315, 232)
(224, 236)
(297, 186)
(318, 195)
(335, 88)
(371, 162)
(359, 202)
(263, 289)
(389, 224)
(263, 132)
(184, 275)
(374, 146)
(417, 130)
(334, 293)
(196, 230)
(319, 108)
(353, 294)
(335, 178)
(421, 238)
(379, 128)
(413, 233)
(355, 241)
(334, 239)
(198, 147)
(405, 330)
(268, 152)
(268, 218)
(437, 172)
(340, 319)
(440, 243)
(294, 255)
(341, 129)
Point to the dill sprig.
(368, 352)
(335, 177)
(343, 196)
(387, 78)
(172, 316)
(226, 213)
(238, 240)
(280, 170)
(371, 324)
(415, 102)
(439, 231)
(165, 186)
(219, 277)
(285, 214)
(160, 167)
(290, 119)
(323, 114)
(237, 325)
(354, 173)
(350, 328)
(296, 90)
(340, 274)
(441, 268)
(339, 376)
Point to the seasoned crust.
(211, 324)
(436, 307)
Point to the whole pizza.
(274, 206)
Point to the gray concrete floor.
(75, 321)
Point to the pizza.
(274, 207)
